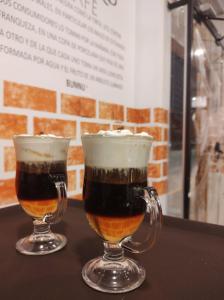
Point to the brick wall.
(29, 109)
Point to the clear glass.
(41, 178)
(177, 98)
(207, 142)
(207, 111)
(117, 199)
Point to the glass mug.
(116, 200)
(41, 177)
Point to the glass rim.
(128, 136)
(40, 137)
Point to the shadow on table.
(88, 248)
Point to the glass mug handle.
(60, 185)
(153, 217)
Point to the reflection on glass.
(207, 176)
(175, 176)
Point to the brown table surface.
(186, 263)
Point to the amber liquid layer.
(39, 208)
(35, 189)
(114, 229)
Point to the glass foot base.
(41, 244)
(113, 276)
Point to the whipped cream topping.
(122, 132)
(118, 133)
(39, 136)
(116, 149)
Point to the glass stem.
(41, 228)
(113, 252)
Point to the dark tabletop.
(186, 263)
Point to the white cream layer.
(116, 149)
(36, 148)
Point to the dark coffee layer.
(115, 193)
(41, 167)
(116, 176)
(33, 181)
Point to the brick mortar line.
(15, 111)
(49, 115)
(96, 121)
(75, 167)
(30, 129)
(91, 120)
(41, 114)
(117, 121)
(154, 161)
(160, 160)
(153, 124)
(24, 111)
(6, 142)
(159, 179)
(8, 175)
(160, 143)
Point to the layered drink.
(39, 162)
(114, 177)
